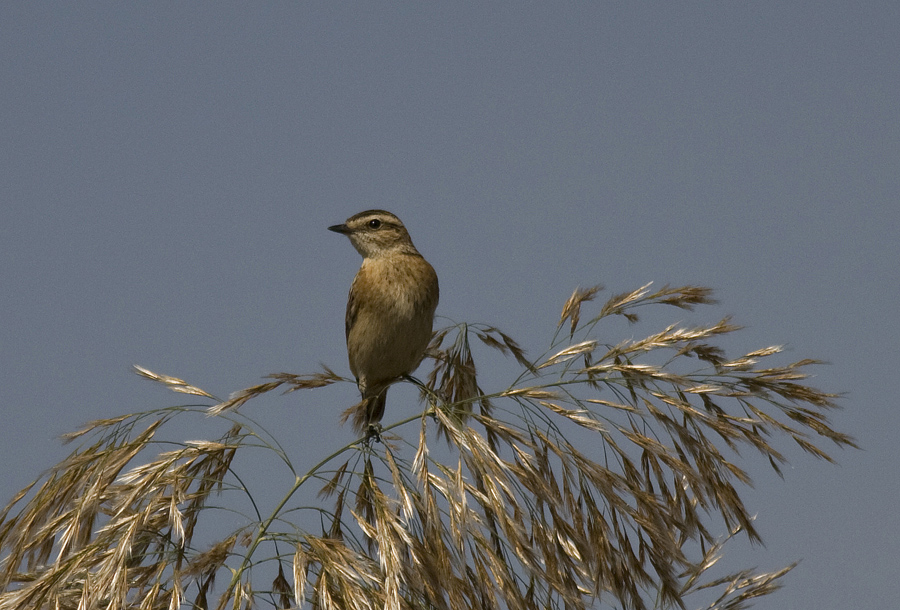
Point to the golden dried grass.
(602, 473)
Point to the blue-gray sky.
(168, 171)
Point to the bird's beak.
(343, 229)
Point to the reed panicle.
(607, 473)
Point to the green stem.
(265, 525)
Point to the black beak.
(343, 229)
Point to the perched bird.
(390, 309)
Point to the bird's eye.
(374, 223)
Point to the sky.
(168, 171)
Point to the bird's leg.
(373, 433)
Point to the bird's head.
(376, 233)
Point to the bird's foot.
(374, 433)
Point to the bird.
(390, 310)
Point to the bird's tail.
(366, 412)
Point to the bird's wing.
(352, 310)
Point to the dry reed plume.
(605, 475)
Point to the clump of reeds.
(606, 471)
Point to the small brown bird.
(390, 310)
